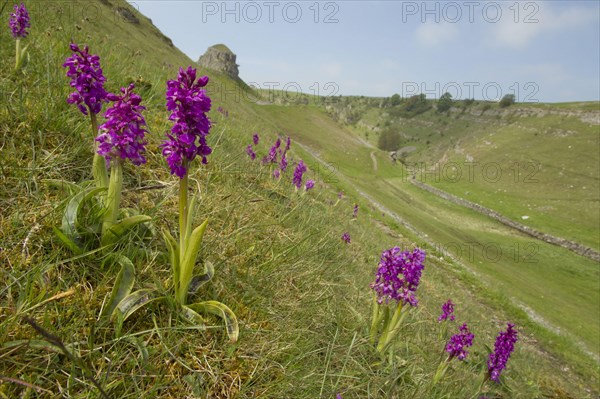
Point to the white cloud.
(433, 34)
(513, 30)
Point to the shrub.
(507, 100)
(445, 102)
(389, 140)
(411, 106)
(468, 101)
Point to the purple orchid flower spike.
(189, 104)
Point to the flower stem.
(391, 329)
(441, 371)
(484, 378)
(376, 319)
(183, 214)
(443, 331)
(18, 54)
(113, 199)
(99, 163)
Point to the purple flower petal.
(87, 79)
(447, 311)
(504, 346)
(122, 135)
(346, 237)
(398, 275)
(298, 172)
(188, 104)
(19, 21)
(250, 152)
(458, 342)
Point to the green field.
(516, 265)
(300, 293)
(534, 160)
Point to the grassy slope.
(548, 165)
(299, 293)
(526, 271)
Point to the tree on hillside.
(395, 100)
(445, 102)
(507, 100)
(389, 140)
(415, 102)
(415, 105)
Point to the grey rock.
(220, 58)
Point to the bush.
(411, 106)
(507, 100)
(389, 140)
(445, 102)
(468, 101)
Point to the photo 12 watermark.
(471, 172)
(526, 12)
(253, 12)
(487, 91)
(74, 11)
(489, 252)
(272, 91)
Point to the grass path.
(374, 159)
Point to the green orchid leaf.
(71, 215)
(67, 242)
(190, 217)
(192, 315)
(488, 348)
(118, 230)
(123, 284)
(24, 51)
(173, 248)
(189, 260)
(127, 212)
(134, 301)
(219, 309)
(63, 185)
(146, 230)
(198, 281)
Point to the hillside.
(300, 293)
(480, 244)
(534, 160)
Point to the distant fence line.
(550, 239)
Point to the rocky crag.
(220, 58)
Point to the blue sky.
(547, 51)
